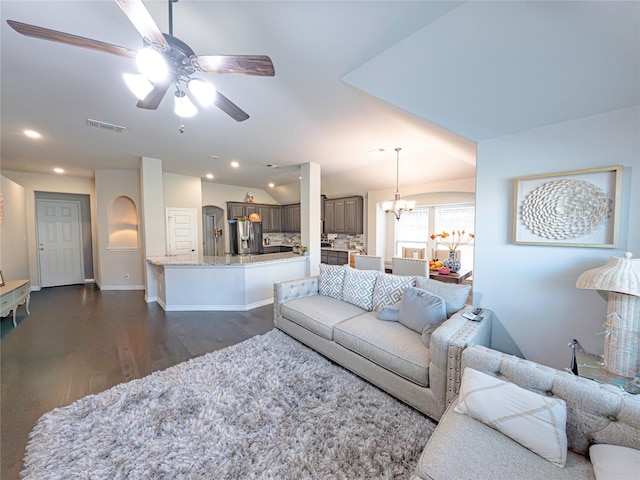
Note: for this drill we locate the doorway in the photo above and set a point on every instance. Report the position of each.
(182, 231)
(212, 234)
(60, 256)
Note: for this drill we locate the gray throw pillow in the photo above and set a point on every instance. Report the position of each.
(390, 313)
(389, 288)
(422, 311)
(455, 296)
(358, 287)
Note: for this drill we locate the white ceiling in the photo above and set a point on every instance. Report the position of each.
(351, 78)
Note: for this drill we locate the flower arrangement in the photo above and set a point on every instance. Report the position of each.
(302, 249)
(452, 240)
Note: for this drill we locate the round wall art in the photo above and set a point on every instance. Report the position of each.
(566, 208)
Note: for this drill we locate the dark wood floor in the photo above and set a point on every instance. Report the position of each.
(79, 340)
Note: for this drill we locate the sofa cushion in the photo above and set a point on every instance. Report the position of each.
(455, 296)
(533, 420)
(319, 313)
(613, 462)
(462, 447)
(422, 312)
(331, 280)
(389, 344)
(389, 288)
(358, 287)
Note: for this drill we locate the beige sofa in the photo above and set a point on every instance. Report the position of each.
(386, 353)
(465, 448)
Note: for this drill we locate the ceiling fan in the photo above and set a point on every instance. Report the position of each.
(169, 54)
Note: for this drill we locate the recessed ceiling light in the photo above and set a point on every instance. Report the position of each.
(32, 134)
(271, 185)
(235, 164)
(58, 170)
(209, 176)
(299, 178)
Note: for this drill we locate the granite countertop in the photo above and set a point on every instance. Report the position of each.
(226, 260)
(338, 249)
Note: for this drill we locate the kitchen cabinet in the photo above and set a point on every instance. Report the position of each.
(344, 215)
(291, 218)
(239, 209)
(334, 257)
(277, 249)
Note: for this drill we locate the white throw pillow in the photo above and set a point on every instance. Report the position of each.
(331, 280)
(613, 462)
(455, 295)
(389, 288)
(358, 287)
(533, 420)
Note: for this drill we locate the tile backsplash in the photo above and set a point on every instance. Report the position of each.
(341, 241)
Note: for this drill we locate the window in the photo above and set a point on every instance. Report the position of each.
(412, 230)
(457, 217)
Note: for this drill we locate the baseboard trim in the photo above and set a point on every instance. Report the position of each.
(122, 287)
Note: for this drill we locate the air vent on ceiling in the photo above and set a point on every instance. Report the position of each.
(105, 125)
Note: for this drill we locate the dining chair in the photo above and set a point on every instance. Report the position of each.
(410, 266)
(443, 255)
(412, 252)
(369, 262)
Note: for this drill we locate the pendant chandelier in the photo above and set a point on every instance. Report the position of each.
(397, 206)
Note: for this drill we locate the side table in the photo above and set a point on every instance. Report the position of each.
(591, 366)
(12, 294)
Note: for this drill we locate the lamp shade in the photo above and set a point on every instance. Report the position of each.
(620, 275)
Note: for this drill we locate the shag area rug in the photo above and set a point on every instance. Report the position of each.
(265, 408)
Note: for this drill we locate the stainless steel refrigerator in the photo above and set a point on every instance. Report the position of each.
(246, 237)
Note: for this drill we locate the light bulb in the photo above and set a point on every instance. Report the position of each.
(204, 92)
(183, 106)
(152, 65)
(138, 84)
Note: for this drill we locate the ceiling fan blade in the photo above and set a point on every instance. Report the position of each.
(142, 20)
(238, 64)
(152, 101)
(230, 108)
(61, 37)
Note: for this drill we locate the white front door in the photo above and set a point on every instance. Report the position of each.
(59, 243)
(182, 231)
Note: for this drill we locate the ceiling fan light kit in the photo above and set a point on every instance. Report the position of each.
(165, 60)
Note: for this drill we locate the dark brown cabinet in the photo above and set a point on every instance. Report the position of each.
(271, 214)
(344, 215)
(291, 218)
(333, 257)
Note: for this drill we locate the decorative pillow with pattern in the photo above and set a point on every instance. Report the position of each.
(455, 296)
(533, 420)
(389, 288)
(359, 286)
(331, 280)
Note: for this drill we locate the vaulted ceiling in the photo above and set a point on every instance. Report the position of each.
(353, 81)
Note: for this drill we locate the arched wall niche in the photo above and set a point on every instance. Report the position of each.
(123, 224)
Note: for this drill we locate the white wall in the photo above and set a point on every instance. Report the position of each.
(116, 263)
(14, 256)
(218, 195)
(532, 288)
(51, 183)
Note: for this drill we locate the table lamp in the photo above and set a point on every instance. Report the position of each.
(618, 281)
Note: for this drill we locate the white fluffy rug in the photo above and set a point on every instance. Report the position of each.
(266, 408)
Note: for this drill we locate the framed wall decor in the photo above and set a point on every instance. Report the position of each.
(1, 279)
(580, 208)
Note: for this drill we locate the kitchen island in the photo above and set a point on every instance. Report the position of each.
(230, 282)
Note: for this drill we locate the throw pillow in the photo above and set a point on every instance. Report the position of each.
(534, 421)
(390, 313)
(613, 462)
(389, 288)
(358, 287)
(331, 280)
(421, 311)
(454, 295)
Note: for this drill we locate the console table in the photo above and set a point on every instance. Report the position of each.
(13, 294)
(459, 277)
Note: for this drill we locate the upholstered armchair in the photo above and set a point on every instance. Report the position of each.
(369, 262)
(410, 266)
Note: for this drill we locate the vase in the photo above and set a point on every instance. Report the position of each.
(452, 263)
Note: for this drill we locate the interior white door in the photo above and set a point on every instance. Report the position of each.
(182, 231)
(59, 243)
